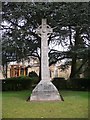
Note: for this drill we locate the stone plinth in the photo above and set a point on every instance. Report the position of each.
(45, 91)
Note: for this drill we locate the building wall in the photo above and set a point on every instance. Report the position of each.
(35, 69)
(54, 71)
(65, 73)
(33, 64)
(57, 72)
(8, 72)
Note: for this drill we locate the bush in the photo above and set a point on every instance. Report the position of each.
(80, 84)
(26, 82)
(20, 83)
(60, 83)
(72, 84)
(33, 74)
(35, 78)
(17, 83)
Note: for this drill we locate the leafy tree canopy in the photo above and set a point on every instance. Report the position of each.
(69, 20)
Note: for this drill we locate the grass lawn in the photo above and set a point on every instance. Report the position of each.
(0, 104)
(15, 106)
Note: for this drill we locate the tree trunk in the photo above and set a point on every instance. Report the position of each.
(40, 69)
(73, 66)
(88, 67)
(6, 69)
(74, 55)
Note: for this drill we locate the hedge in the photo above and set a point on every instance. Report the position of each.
(80, 84)
(72, 84)
(60, 83)
(22, 83)
(18, 83)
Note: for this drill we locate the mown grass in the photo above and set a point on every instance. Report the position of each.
(14, 105)
(0, 104)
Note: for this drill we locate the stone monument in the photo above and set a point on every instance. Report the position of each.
(45, 90)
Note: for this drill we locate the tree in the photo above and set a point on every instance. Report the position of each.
(72, 30)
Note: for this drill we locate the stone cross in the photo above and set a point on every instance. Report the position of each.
(44, 31)
(45, 90)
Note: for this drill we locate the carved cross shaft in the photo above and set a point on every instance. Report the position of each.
(44, 31)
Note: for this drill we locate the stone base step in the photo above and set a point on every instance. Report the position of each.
(45, 91)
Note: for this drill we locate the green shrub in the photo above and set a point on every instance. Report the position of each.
(72, 84)
(33, 74)
(80, 84)
(17, 83)
(20, 83)
(35, 78)
(19, 78)
(60, 83)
